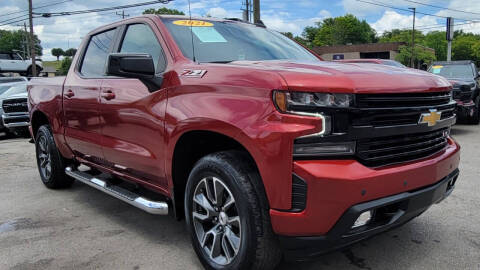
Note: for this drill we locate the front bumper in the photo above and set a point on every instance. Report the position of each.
(15, 120)
(465, 109)
(389, 212)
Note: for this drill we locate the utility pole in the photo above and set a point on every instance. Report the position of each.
(450, 33)
(256, 11)
(247, 10)
(27, 55)
(122, 14)
(412, 59)
(32, 38)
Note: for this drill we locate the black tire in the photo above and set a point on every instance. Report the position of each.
(30, 71)
(475, 119)
(258, 247)
(51, 164)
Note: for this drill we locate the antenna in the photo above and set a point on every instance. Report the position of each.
(191, 31)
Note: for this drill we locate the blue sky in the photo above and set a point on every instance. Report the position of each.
(285, 16)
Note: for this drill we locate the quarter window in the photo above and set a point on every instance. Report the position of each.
(139, 38)
(95, 58)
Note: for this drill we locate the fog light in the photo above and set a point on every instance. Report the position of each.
(363, 219)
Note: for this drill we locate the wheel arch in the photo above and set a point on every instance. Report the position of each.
(204, 142)
(37, 120)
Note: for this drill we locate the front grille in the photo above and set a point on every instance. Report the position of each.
(15, 105)
(380, 110)
(21, 119)
(403, 100)
(377, 152)
(463, 95)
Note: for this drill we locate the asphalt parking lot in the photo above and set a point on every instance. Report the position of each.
(82, 228)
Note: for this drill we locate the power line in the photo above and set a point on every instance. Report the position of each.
(67, 13)
(403, 9)
(48, 5)
(439, 7)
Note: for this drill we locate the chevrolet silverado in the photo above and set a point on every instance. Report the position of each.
(264, 149)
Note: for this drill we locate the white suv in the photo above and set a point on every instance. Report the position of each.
(13, 62)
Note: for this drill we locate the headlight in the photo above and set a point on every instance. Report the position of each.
(302, 102)
(473, 86)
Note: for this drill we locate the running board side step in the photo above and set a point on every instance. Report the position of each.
(152, 207)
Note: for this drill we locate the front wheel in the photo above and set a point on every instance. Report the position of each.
(51, 164)
(229, 228)
(475, 118)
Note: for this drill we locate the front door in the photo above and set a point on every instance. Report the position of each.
(133, 116)
(82, 98)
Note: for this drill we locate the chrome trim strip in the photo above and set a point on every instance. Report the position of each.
(152, 207)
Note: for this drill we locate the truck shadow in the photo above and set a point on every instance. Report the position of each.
(374, 253)
(463, 129)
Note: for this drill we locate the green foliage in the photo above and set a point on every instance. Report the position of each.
(65, 65)
(15, 40)
(342, 30)
(422, 56)
(164, 11)
(57, 52)
(437, 41)
(71, 52)
(288, 34)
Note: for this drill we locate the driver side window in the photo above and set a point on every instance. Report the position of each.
(139, 38)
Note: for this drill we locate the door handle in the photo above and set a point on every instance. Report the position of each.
(69, 93)
(108, 95)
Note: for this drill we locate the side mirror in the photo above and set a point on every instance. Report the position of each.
(130, 65)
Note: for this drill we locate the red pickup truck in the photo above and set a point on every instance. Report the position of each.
(264, 149)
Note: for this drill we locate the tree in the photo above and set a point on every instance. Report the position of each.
(71, 52)
(163, 10)
(57, 52)
(465, 46)
(422, 56)
(65, 65)
(15, 40)
(341, 30)
(437, 41)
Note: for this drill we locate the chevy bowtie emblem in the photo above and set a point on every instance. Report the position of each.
(431, 118)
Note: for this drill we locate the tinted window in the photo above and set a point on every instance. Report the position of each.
(4, 56)
(224, 41)
(96, 55)
(141, 39)
(16, 57)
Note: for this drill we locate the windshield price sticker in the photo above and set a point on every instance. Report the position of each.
(436, 69)
(193, 23)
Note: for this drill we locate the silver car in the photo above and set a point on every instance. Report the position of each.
(13, 108)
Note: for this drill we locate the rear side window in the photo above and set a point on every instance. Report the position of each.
(139, 38)
(95, 58)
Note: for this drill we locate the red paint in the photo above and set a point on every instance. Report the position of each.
(139, 130)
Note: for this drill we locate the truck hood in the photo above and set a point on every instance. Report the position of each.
(350, 77)
(20, 95)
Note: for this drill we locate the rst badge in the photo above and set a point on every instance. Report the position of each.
(430, 118)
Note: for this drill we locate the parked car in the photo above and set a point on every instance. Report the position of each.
(465, 78)
(14, 110)
(13, 62)
(262, 147)
(387, 62)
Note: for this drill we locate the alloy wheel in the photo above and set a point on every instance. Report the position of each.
(216, 220)
(44, 158)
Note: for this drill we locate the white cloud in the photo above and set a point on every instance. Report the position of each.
(393, 20)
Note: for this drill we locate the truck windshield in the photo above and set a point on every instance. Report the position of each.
(227, 41)
(453, 71)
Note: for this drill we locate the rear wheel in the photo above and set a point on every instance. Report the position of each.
(30, 71)
(229, 227)
(51, 164)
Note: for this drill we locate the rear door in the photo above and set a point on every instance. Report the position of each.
(132, 116)
(18, 63)
(82, 97)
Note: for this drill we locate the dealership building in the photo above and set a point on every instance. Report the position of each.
(360, 51)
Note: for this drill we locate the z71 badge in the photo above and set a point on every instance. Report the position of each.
(194, 73)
